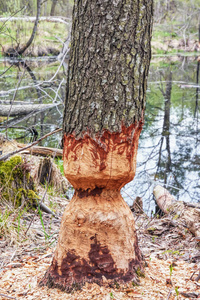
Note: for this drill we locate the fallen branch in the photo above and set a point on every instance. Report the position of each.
(32, 19)
(19, 110)
(9, 297)
(43, 151)
(29, 146)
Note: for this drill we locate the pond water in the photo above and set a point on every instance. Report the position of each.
(169, 147)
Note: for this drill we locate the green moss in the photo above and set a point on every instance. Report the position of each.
(15, 181)
(134, 283)
(140, 273)
(151, 229)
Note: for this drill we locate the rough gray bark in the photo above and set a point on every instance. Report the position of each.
(109, 63)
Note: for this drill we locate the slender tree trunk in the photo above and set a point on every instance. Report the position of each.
(52, 12)
(103, 118)
(23, 49)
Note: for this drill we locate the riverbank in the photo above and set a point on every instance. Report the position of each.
(52, 32)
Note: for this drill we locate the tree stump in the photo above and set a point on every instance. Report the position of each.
(97, 235)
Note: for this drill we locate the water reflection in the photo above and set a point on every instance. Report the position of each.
(169, 148)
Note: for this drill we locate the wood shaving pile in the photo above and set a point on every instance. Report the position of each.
(163, 242)
(20, 279)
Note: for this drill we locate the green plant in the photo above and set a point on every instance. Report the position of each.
(140, 273)
(171, 270)
(41, 220)
(177, 292)
(59, 163)
(111, 295)
(153, 239)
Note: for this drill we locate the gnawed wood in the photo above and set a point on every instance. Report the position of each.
(189, 214)
(97, 237)
(42, 169)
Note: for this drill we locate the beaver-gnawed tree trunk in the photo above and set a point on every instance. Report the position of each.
(104, 110)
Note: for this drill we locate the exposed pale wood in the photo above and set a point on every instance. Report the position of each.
(103, 118)
(97, 236)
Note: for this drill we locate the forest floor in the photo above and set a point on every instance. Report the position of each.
(171, 252)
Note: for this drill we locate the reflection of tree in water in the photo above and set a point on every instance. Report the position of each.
(169, 147)
(173, 171)
(163, 168)
(197, 90)
(173, 168)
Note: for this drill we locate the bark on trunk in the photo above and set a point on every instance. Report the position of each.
(103, 117)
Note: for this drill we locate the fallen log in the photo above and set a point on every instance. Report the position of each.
(32, 19)
(19, 110)
(42, 151)
(9, 154)
(189, 214)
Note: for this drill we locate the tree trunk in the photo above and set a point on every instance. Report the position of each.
(52, 12)
(23, 49)
(103, 118)
(19, 51)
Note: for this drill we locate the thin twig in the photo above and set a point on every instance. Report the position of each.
(29, 146)
(170, 292)
(12, 16)
(39, 84)
(9, 297)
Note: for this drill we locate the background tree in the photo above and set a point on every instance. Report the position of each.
(103, 117)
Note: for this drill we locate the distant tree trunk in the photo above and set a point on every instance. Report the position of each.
(19, 51)
(23, 49)
(103, 118)
(52, 12)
